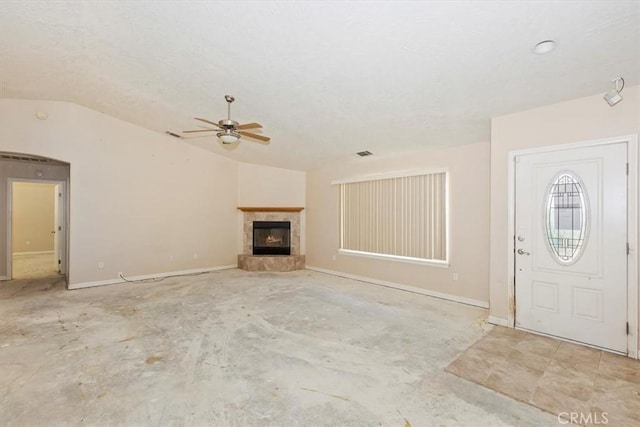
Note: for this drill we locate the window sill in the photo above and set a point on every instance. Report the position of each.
(409, 260)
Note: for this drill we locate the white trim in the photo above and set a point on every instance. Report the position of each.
(633, 343)
(498, 321)
(571, 146)
(427, 292)
(389, 175)
(511, 227)
(150, 276)
(447, 215)
(410, 260)
(3, 278)
(33, 253)
(64, 189)
(633, 197)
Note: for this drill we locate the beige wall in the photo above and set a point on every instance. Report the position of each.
(469, 215)
(578, 120)
(141, 202)
(265, 186)
(268, 186)
(33, 217)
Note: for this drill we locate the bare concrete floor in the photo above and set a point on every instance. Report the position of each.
(235, 348)
(33, 265)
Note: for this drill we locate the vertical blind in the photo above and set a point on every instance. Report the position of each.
(404, 216)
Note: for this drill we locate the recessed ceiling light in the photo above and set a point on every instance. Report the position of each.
(543, 47)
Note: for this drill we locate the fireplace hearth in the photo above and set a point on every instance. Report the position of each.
(271, 238)
(267, 229)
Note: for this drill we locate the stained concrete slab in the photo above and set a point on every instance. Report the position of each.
(237, 348)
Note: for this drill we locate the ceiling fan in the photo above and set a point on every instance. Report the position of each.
(230, 131)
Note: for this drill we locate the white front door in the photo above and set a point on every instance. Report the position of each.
(571, 244)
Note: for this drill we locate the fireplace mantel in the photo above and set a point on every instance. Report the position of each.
(269, 209)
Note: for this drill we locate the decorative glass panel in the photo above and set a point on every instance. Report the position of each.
(566, 218)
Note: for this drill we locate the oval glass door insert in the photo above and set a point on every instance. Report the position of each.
(566, 218)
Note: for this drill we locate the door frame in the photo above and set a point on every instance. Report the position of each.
(64, 220)
(632, 228)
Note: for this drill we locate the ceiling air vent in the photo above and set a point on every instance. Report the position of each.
(173, 134)
(364, 153)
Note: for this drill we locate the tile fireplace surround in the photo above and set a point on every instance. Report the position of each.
(250, 262)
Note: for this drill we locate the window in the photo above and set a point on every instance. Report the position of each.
(401, 216)
(566, 218)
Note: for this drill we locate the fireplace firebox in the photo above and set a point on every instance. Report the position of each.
(271, 238)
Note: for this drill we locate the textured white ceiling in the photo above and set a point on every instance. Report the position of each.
(326, 79)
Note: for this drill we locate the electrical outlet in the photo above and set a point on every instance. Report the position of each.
(334, 257)
(170, 257)
(454, 276)
(100, 264)
(195, 255)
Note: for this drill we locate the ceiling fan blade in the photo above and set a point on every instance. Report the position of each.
(255, 136)
(200, 130)
(249, 126)
(207, 121)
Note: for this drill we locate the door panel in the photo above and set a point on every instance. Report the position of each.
(571, 229)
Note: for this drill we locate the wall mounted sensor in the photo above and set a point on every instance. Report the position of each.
(613, 96)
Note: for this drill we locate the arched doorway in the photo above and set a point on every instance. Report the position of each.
(36, 216)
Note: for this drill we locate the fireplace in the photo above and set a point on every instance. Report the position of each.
(271, 238)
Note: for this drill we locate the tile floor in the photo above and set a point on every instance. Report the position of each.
(555, 376)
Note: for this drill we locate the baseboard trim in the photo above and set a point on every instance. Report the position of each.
(83, 285)
(3, 278)
(498, 321)
(435, 294)
(32, 253)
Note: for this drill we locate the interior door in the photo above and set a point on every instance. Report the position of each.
(571, 244)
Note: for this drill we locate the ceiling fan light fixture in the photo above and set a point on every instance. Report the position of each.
(228, 137)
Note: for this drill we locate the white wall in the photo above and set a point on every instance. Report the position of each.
(141, 202)
(578, 120)
(469, 222)
(265, 186)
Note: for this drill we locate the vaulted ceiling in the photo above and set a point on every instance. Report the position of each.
(326, 79)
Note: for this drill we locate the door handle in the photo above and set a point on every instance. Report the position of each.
(523, 252)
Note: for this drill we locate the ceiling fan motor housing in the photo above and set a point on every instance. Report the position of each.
(227, 124)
